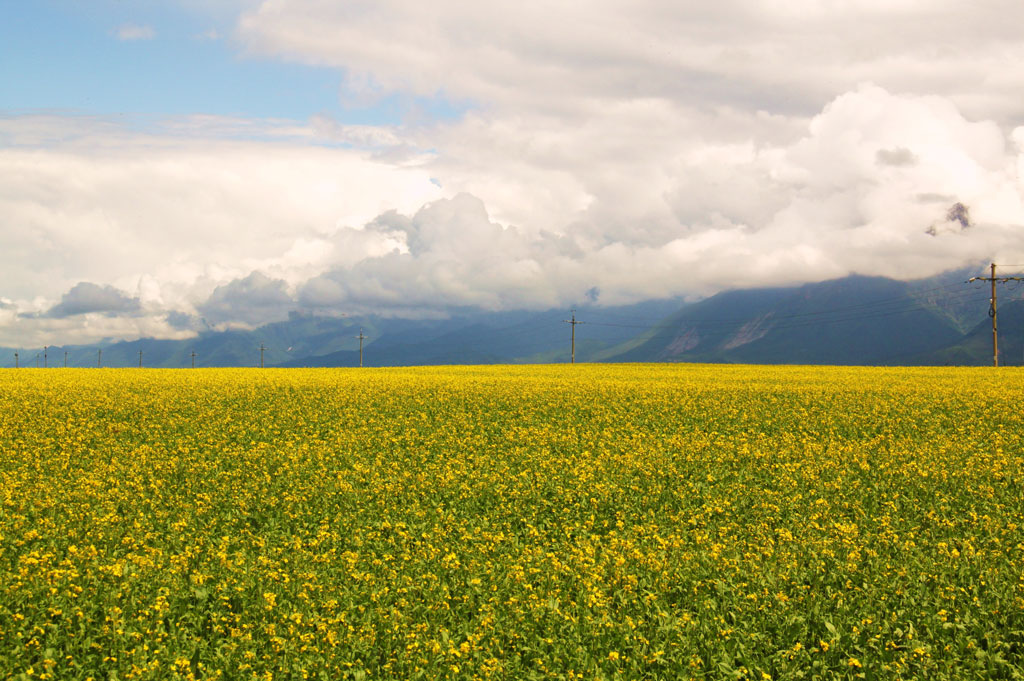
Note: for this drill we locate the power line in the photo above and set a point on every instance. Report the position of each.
(361, 338)
(992, 308)
(572, 336)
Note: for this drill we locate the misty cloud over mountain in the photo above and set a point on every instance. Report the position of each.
(250, 300)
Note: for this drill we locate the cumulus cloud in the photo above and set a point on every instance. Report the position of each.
(598, 108)
(450, 253)
(86, 297)
(859, 191)
(131, 32)
(114, 206)
(255, 299)
(173, 210)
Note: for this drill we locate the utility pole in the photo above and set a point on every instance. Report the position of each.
(572, 336)
(16, 365)
(44, 356)
(99, 358)
(65, 359)
(262, 348)
(992, 308)
(193, 359)
(361, 337)
(140, 359)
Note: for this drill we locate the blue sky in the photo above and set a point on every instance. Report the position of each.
(406, 157)
(67, 55)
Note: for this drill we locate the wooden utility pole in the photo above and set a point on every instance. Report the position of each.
(44, 355)
(572, 336)
(993, 279)
(262, 348)
(361, 337)
(65, 359)
(16, 365)
(193, 359)
(992, 313)
(140, 359)
(99, 358)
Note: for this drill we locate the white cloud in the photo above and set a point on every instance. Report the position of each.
(129, 32)
(167, 217)
(858, 191)
(598, 104)
(560, 57)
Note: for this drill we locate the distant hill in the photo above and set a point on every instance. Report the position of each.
(853, 320)
(300, 334)
(466, 337)
(975, 347)
(491, 338)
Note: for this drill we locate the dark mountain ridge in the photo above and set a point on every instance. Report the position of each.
(854, 320)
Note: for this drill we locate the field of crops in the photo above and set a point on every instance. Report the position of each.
(570, 522)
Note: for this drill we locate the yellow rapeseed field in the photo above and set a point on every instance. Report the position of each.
(557, 522)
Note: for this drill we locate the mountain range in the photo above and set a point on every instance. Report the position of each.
(855, 320)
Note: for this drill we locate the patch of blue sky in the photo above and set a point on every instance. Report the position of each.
(68, 56)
